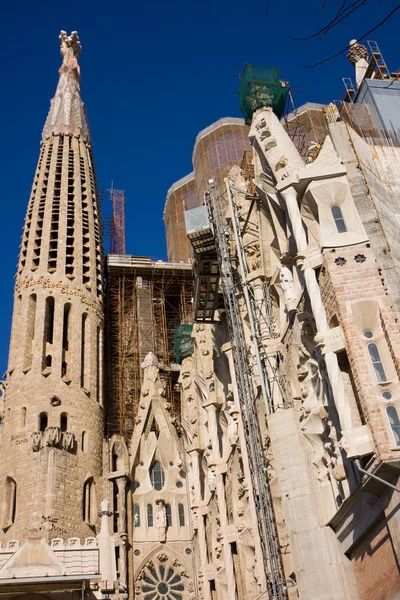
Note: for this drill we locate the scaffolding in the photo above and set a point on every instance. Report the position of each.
(260, 313)
(247, 167)
(146, 301)
(306, 126)
(181, 196)
(117, 222)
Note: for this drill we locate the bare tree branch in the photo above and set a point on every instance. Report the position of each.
(340, 16)
(321, 62)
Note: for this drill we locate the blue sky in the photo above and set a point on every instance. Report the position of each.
(153, 75)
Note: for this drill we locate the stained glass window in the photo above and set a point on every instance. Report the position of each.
(162, 585)
(157, 476)
(377, 362)
(150, 515)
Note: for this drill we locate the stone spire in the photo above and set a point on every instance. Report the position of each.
(54, 399)
(67, 112)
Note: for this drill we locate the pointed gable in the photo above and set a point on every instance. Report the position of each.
(34, 558)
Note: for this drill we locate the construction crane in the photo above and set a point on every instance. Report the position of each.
(117, 222)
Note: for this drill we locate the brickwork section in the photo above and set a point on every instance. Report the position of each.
(349, 275)
(375, 565)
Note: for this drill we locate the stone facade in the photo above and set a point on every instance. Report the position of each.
(251, 455)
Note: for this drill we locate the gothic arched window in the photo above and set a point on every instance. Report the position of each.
(377, 363)
(338, 216)
(394, 422)
(168, 515)
(84, 441)
(64, 422)
(89, 512)
(150, 515)
(181, 515)
(157, 477)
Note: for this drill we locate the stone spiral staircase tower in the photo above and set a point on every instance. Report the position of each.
(51, 436)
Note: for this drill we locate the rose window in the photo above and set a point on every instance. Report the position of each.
(162, 585)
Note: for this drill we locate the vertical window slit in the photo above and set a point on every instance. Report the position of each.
(83, 350)
(43, 421)
(149, 515)
(48, 333)
(98, 365)
(394, 422)
(181, 514)
(65, 340)
(30, 332)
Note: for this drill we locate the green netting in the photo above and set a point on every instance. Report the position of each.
(183, 342)
(261, 86)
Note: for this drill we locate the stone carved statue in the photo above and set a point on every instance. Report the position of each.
(68, 441)
(204, 368)
(53, 436)
(151, 383)
(315, 421)
(36, 439)
(188, 399)
(201, 386)
(150, 360)
(161, 520)
(286, 278)
(212, 477)
(234, 412)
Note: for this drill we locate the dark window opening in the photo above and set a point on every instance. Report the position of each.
(43, 421)
(338, 216)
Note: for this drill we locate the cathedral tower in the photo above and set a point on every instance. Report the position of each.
(51, 437)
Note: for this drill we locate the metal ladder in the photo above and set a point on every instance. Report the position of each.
(276, 584)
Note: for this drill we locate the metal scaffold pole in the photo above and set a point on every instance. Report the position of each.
(248, 396)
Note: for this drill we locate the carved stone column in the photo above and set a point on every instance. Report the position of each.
(201, 532)
(274, 145)
(213, 428)
(314, 293)
(122, 530)
(106, 549)
(227, 349)
(228, 558)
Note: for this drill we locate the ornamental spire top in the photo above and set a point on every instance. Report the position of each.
(67, 113)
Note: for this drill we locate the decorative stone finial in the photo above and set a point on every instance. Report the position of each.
(70, 42)
(150, 360)
(357, 52)
(67, 113)
(104, 505)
